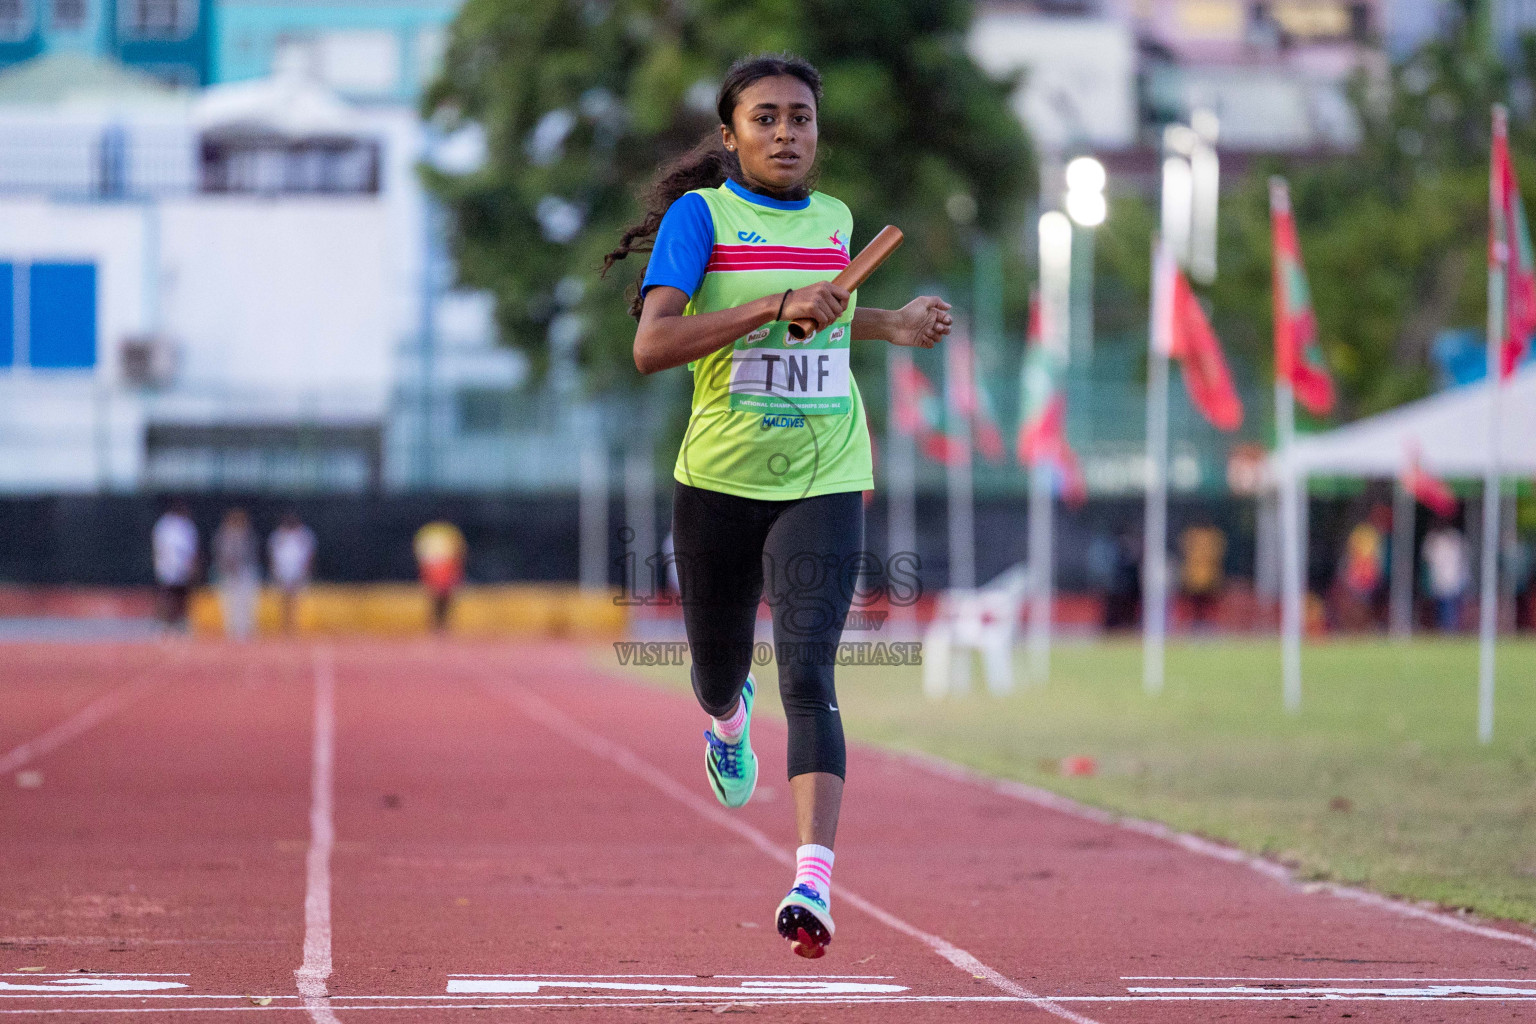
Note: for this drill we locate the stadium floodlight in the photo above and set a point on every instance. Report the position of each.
(1085, 174)
(1055, 280)
(1085, 192)
(1178, 204)
(1205, 195)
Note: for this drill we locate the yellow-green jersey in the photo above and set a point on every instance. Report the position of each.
(772, 417)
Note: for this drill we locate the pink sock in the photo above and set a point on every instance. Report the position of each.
(813, 867)
(730, 729)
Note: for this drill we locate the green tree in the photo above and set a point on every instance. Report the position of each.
(1394, 235)
(581, 100)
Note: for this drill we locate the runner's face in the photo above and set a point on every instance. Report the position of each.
(773, 131)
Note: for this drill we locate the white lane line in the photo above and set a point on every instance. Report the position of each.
(1204, 847)
(316, 969)
(630, 1003)
(695, 977)
(748, 989)
(1405, 993)
(561, 724)
(88, 717)
(114, 940)
(1286, 981)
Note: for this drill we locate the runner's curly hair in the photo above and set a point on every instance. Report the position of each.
(709, 163)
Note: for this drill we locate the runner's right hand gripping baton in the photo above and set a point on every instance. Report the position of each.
(855, 274)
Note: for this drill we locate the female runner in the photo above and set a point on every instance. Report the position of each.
(770, 474)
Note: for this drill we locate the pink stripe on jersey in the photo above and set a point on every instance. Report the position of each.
(727, 258)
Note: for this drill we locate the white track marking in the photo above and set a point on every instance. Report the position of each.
(1405, 993)
(747, 989)
(88, 983)
(93, 714)
(1286, 981)
(626, 1002)
(1206, 848)
(698, 977)
(558, 722)
(316, 969)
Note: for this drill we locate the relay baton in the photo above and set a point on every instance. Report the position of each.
(855, 273)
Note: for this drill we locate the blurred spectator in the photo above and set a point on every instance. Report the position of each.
(1362, 574)
(1100, 557)
(1445, 561)
(174, 543)
(1122, 600)
(1520, 567)
(238, 573)
(291, 558)
(1203, 551)
(440, 551)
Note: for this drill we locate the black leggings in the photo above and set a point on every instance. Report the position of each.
(807, 550)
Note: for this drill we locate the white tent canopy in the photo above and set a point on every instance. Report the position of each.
(1450, 430)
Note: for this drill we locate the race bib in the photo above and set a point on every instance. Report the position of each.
(773, 373)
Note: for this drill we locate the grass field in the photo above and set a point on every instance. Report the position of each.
(1378, 781)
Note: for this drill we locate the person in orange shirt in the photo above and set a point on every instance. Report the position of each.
(440, 551)
(1202, 571)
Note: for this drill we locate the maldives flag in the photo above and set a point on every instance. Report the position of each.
(970, 400)
(1183, 333)
(1298, 357)
(1042, 440)
(920, 414)
(1429, 491)
(1509, 251)
(917, 405)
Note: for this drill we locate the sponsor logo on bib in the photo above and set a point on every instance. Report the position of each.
(769, 422)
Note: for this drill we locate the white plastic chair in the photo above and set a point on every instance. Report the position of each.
(966, 622)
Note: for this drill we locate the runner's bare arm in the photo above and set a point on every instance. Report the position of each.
(921, 323)
(666, 338)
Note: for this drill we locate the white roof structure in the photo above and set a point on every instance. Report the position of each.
(1450, 430)
(288, 105)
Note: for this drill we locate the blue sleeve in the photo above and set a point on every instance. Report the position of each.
(683, 246)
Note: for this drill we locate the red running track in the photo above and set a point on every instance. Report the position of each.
(424, 832)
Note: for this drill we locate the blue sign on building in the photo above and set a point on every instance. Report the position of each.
(58, 331)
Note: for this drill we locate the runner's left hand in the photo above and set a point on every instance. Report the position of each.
(923, 322)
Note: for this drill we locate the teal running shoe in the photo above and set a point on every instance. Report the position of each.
(805, 920)
(732, 767)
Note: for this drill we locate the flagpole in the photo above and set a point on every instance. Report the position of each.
(1287, 354)
(901, 494)
(1497, 277)
(1055, 339)
(1403, 513)
(1154, 576)
(1290, 546)
(962, 527)
(1488, 613)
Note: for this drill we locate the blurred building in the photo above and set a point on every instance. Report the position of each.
(1105, 75)
(363, 51)
(376, 52)
(228, 289)
(169, 39)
